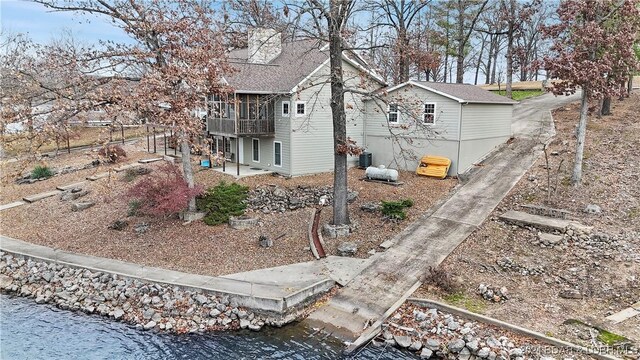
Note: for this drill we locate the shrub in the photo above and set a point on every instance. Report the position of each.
(134, 207)
(222, 201)
(441, 279)
(113, 153)
(41, 172)
(166, 193)
(395, 209)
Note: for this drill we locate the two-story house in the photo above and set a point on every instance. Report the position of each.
(278, 117)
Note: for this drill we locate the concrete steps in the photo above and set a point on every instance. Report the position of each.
(71, 186)
(97, 176)
(543, 223)
(40, 196)
(11, 205)
(146, 161)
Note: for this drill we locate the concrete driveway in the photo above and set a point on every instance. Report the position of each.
(430, 239)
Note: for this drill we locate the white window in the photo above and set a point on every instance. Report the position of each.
(277, 153)
(285, 108)
(255, 150)
(301, 108)
(392, 114)
(429, 116)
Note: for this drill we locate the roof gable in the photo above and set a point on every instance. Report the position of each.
(297, 61)
(462, 93)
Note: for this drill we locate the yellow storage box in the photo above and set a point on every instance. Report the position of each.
(434, 166)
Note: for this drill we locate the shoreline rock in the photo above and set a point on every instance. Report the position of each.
(148, 306)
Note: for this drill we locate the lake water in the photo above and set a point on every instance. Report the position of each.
(31, 331)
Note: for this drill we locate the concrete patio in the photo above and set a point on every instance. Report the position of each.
(241, 171)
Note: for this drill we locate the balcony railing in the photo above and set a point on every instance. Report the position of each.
(245, 126)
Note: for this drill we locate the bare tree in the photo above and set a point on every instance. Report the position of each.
(593, 38)
(399, 16)
(175, 58)
(466, 14)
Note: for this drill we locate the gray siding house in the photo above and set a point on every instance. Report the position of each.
(459, 121)
(278, 116)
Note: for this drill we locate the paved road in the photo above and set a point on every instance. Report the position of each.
(429, 240)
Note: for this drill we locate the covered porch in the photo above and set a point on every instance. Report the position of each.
(241, 114)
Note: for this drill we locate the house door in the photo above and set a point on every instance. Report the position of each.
(241, 152)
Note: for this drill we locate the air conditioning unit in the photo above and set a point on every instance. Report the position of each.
(365, 160)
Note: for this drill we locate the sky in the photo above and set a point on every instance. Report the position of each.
(42, 24)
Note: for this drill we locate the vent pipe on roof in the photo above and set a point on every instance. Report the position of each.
(264, 45)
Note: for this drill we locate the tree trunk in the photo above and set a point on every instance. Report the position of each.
(460, 44)
(187, 168)
(629, 85)
(484, 42)
(512, 19)
(403, 58)
(576, 177)
(487, 77)
(606, 106)
(340, 208)
(509, 80)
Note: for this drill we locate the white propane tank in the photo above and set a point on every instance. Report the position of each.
(381, 173)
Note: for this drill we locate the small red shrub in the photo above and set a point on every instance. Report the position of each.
(113, 153)
(163, 193)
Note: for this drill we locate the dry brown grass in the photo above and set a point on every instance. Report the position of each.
(203, 249)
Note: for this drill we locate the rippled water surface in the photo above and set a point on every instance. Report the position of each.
(30, 331)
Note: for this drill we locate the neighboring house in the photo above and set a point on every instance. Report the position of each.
(279, 118)
(459, 121)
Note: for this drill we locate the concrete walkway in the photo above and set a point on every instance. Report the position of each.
(429, 240)
(278, 290)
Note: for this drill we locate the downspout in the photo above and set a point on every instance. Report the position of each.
(462, 104)
(290, 135)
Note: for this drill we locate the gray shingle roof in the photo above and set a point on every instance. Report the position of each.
(466, 92)
(296, 61)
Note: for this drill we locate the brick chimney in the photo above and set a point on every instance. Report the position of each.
(264, 45)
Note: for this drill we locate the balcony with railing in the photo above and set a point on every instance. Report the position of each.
(242, 115)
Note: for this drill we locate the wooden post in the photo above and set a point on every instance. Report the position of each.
(237, 156)
(148, 147)
(154, 140)
(175, 145)
(210, 142)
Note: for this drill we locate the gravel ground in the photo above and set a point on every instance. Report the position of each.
(605, 274)
(10, 191)
(203, 249)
